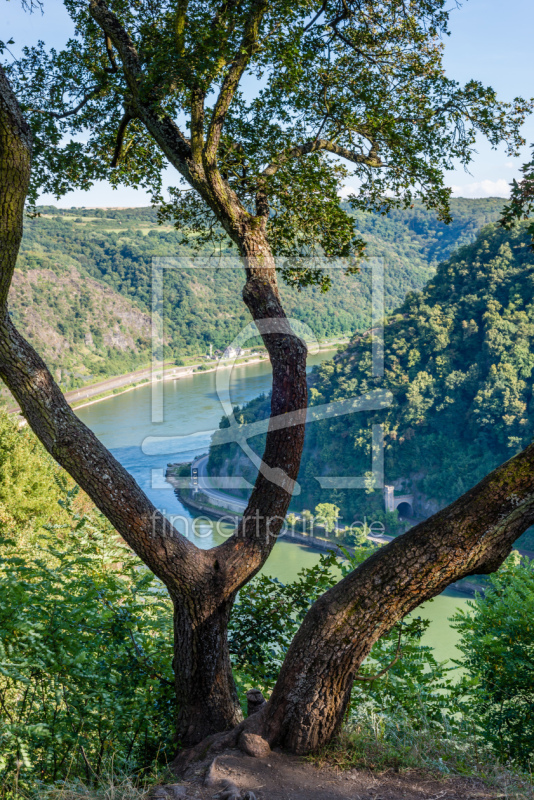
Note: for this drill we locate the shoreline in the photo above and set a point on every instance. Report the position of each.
(97, 399)
(188, 374)
(164, 379)
(298, 538)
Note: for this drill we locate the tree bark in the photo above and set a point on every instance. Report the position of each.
(205, 690)
(471, 536)
(15, 161)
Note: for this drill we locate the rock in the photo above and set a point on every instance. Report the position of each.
(253, 745)
(176, 790)
(231, 792)
(172, 791)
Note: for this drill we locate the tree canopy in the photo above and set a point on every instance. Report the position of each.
(266, 95)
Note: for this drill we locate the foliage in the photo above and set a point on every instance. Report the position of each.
(98, 324)
(497, 643)
(391, 742)
(267, 615)
(414, 684)
(113, 786)
(356, 535)
(521, 204)
(357, 91)
(327, 514)
(85, 654)
(29, 495)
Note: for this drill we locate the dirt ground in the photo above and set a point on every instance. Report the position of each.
(282, 777)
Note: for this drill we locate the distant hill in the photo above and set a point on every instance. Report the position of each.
(82, 289)
(459, 361)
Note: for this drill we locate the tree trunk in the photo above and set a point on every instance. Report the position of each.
(471, 536)
(15, 160)
(205, 690)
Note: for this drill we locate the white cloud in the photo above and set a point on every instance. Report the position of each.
(500, 188)
(346, 190)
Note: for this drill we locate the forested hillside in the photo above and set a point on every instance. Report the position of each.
(82, 291)
(459, 362)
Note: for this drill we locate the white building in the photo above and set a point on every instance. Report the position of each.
(233, 352)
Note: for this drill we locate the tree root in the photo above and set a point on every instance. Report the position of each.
(247, 736)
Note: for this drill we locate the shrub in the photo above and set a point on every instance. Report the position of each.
(497, 642)
(85, 657)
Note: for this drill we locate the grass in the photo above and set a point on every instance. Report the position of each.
(381, 743)
(111, 787)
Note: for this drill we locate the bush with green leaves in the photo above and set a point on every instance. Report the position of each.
(402, 678)
(266, 617)
(356, 535)
(85, 657)
(497, 643)
(28, 491)
(327, 515)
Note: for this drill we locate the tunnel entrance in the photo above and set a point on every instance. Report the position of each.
(405, 510)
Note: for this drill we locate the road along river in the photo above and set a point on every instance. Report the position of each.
(192, 410)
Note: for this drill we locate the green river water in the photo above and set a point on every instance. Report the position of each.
(192, 409)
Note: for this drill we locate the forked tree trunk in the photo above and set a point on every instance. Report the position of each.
(205, 690)
(472, 535)
(202, 584)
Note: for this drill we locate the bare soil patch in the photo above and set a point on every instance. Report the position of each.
(285, 777)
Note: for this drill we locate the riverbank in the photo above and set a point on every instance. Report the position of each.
(121, 384)
(233, 517)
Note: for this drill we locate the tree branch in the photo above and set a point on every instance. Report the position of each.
(165, 131)
(122, 41)
(77, 449)
(15, 163)
(316, 17)
(473, 535)
(197, 124)
(168, 554)
(125, 121)
(142, 657)
(111, 56)
(398, 654)
(345, 14)
(247, 47)
(371, 159)
(65, 114)
(179, 25)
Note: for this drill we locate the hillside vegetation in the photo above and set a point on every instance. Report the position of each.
(459, 363)
(83, 291)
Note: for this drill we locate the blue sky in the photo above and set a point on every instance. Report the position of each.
(490, 41)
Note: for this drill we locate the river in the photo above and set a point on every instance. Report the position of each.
(192, 409)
